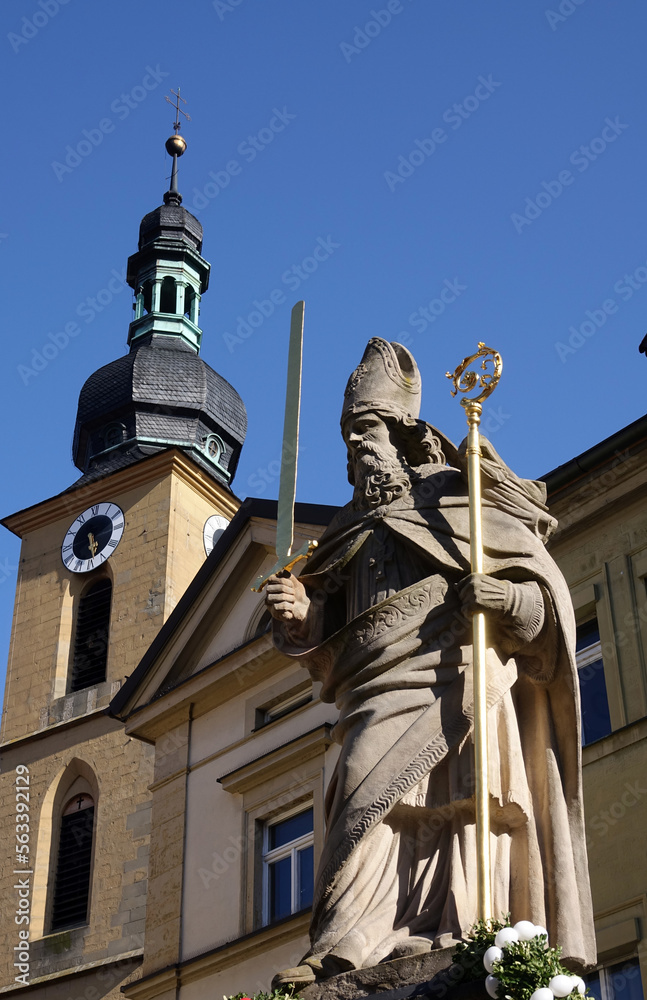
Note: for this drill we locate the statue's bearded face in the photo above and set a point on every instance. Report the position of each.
(376, 467)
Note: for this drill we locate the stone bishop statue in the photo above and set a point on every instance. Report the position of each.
(382, 616)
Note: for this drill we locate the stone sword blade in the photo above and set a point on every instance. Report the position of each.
(289, 453)
(285, 557)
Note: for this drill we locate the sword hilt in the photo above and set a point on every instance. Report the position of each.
(285, 565)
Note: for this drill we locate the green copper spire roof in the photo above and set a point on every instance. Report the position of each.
(168, 273)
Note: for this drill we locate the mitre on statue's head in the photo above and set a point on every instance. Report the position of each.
(386, 380)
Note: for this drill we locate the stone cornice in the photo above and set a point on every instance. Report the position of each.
(63, 974)
(617, 740)
(154, 985)
(585, 509)
(282, 758)
(19, 742)
(171, 462)
(209, 963)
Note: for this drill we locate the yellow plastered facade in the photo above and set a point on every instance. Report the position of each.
(66, 740)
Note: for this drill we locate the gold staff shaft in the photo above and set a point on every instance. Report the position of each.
(484, 892)
(465, 381)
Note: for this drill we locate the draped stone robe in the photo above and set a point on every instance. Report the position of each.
(386, 636)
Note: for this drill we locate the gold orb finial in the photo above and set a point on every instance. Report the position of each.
(175, 145)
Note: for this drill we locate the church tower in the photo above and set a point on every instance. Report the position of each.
(157, 440)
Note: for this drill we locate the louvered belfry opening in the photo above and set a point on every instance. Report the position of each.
(91, 638)
(74, 862)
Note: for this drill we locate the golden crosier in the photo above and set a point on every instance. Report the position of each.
(465, 381)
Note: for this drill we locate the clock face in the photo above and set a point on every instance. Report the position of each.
(92, 537)
(213, 529)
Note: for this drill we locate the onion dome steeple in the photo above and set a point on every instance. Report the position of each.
(162, 394)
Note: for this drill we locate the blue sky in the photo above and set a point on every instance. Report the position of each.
(492, 152)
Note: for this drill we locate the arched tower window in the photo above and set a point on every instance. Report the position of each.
(147, 289)
(168, 296)
(189, 295)
(73, 863)
(91, 636)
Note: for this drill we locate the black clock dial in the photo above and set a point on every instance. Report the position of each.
(92, 537)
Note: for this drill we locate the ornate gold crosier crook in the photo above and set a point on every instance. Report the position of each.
(465, 381)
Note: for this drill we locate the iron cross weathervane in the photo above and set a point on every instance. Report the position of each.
(178, 110)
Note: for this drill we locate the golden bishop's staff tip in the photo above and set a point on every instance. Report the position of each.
(465, 381)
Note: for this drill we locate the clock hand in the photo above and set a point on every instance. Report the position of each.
(93, 545)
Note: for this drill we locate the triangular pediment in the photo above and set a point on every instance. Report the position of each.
(218, 628)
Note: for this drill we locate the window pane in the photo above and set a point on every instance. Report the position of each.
(623, 981)
(596, 721)
(587, 634)
(280, 873)
(305, 867)
(287, 706)
(290, 829)
(593, 985)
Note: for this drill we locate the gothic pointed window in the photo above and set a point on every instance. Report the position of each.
(73, 863)
(91, 636)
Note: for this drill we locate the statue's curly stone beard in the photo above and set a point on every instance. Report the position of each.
(378, 480)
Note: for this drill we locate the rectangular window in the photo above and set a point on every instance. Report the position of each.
(617, 982)
(284, 707)
(288, 866)
(596, 721)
